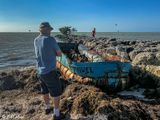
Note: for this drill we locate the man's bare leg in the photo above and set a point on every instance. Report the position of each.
(56, 106)
(47, 101)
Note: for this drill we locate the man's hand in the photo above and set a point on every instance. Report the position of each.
(58, 53)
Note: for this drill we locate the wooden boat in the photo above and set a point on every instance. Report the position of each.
(114, 75)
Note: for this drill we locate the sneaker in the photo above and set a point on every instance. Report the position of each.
(61, 117)
(48, 111)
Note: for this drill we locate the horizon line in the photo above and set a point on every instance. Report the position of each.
(84, 32)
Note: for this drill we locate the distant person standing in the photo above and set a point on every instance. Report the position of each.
(46, 50)
(94, 32)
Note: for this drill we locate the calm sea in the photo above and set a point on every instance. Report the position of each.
(16, 49)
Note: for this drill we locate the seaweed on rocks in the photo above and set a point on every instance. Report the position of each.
(78, 101)
(17, 79)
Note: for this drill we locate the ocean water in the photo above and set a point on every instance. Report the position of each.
(17, 49)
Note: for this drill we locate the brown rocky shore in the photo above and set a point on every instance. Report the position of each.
(20, 97)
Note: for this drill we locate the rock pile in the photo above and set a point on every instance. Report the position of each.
(129, 49)
(143, 55)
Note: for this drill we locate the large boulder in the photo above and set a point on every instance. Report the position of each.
(132, 42)
(123, 52)
(133, 54)
(111, 51)
(154, 70)
(158, 58)
(146, 76)
(150, 49)
(145, 58)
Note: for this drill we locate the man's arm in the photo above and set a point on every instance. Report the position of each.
(56, 48)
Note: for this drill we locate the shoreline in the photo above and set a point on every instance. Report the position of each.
(9, 69)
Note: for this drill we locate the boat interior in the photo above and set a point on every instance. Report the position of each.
(72, 52)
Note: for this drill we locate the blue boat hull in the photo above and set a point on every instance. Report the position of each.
(100, 69)
(110, 73)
